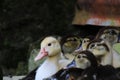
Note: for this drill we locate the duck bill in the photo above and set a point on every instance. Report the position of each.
(41, 54)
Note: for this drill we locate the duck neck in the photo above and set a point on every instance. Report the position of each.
(54, 58)
(107, 59)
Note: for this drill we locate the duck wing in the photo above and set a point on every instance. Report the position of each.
(30, 75)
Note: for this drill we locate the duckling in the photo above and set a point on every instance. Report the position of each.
(50, 48)
(81, 61)
(31, 74)
(85, 42)
(112, 35)
(69, 44)
(102, 50)
(89, 59)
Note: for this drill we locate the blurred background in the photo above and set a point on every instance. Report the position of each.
(24, 22)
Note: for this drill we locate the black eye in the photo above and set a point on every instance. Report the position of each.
(84, 41)
(74, 39)
(113, 32)
(79, 56)
(92, 45)
(88, 41)
(49, 44)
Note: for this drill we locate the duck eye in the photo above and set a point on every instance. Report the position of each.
(84, 41)
(92, 45)
(79, 56)
(74, 39)
(49, 44)
(113, 32)
(88, 41)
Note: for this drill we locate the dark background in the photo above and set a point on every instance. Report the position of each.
(23, 22)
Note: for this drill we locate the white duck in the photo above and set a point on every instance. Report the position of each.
(51, 48)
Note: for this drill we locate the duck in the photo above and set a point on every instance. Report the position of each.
(85, 42)
(111, 35)
(51, 49)
(86, 60)
(81, 61)
(102, 50)
(69, 43)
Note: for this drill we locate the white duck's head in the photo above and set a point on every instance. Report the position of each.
(49, 47)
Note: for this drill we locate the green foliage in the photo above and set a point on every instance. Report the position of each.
(116, 47)
(22, 69)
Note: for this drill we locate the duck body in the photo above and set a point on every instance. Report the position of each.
(56, 76)
(51, 49)
(47, 69)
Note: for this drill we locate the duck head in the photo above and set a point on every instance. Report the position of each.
(86, 41)
(110, 34)
(85, 59)
(98, 47)
(70, 43)
(49, 47)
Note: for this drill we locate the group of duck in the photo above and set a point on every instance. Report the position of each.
(79, 58)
